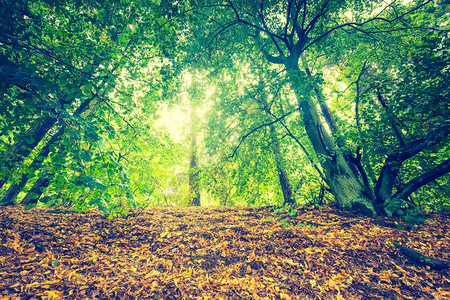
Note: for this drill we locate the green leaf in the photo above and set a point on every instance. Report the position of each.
(96, 202)
(30, 206)
(91, 183)
(55, 263)
(103, 209)
(34, 196)
(45, 199)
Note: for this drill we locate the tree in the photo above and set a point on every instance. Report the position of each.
(194, 182)
(15, 188)
(286, 34)
(59, 60)
(240, 103)
(356, 89)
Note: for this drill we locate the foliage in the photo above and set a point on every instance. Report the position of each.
(103, 69)
(341, 101)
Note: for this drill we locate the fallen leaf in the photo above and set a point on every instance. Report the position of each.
(54, 294)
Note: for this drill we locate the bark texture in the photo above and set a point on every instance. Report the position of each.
(349, 192)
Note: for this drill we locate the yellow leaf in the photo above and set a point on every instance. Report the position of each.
(152, 273)
(31, 285)
(47, 284)
(75, 277)
(309, 251)
(252, 282)
(85, 146)
(54, 294)
(285, 296)
(51, 282)
(312, 282)
(267, 278)
(188, 273)
(290, 262)
(332, 283)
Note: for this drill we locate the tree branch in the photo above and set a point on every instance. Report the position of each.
(289, 133)
(358, 95)
(394, 161)
(355, 25)
(390, 115)
(245, 136)
(416, 183)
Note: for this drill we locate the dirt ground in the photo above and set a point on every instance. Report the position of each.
(218, 253)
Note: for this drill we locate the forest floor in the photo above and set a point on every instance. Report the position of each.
(217, 252)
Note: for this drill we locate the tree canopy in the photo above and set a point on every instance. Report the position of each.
(272, 103)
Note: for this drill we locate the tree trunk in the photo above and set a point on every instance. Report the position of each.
(194, 191)
(194, 188)
(11, 194)
(339, 138)
(30, 139)
(25, 144)
(326, 112)
(283, 178)
(350, 194)
(391, 167)
(281, 170)
(38, 188)
(438, 171)
(422, 258)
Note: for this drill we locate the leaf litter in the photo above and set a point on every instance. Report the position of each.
(217, 253)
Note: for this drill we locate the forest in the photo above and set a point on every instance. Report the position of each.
(233, 149)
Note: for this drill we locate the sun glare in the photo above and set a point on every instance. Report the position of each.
(174, 120)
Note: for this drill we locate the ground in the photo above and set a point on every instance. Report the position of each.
(214, 253)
